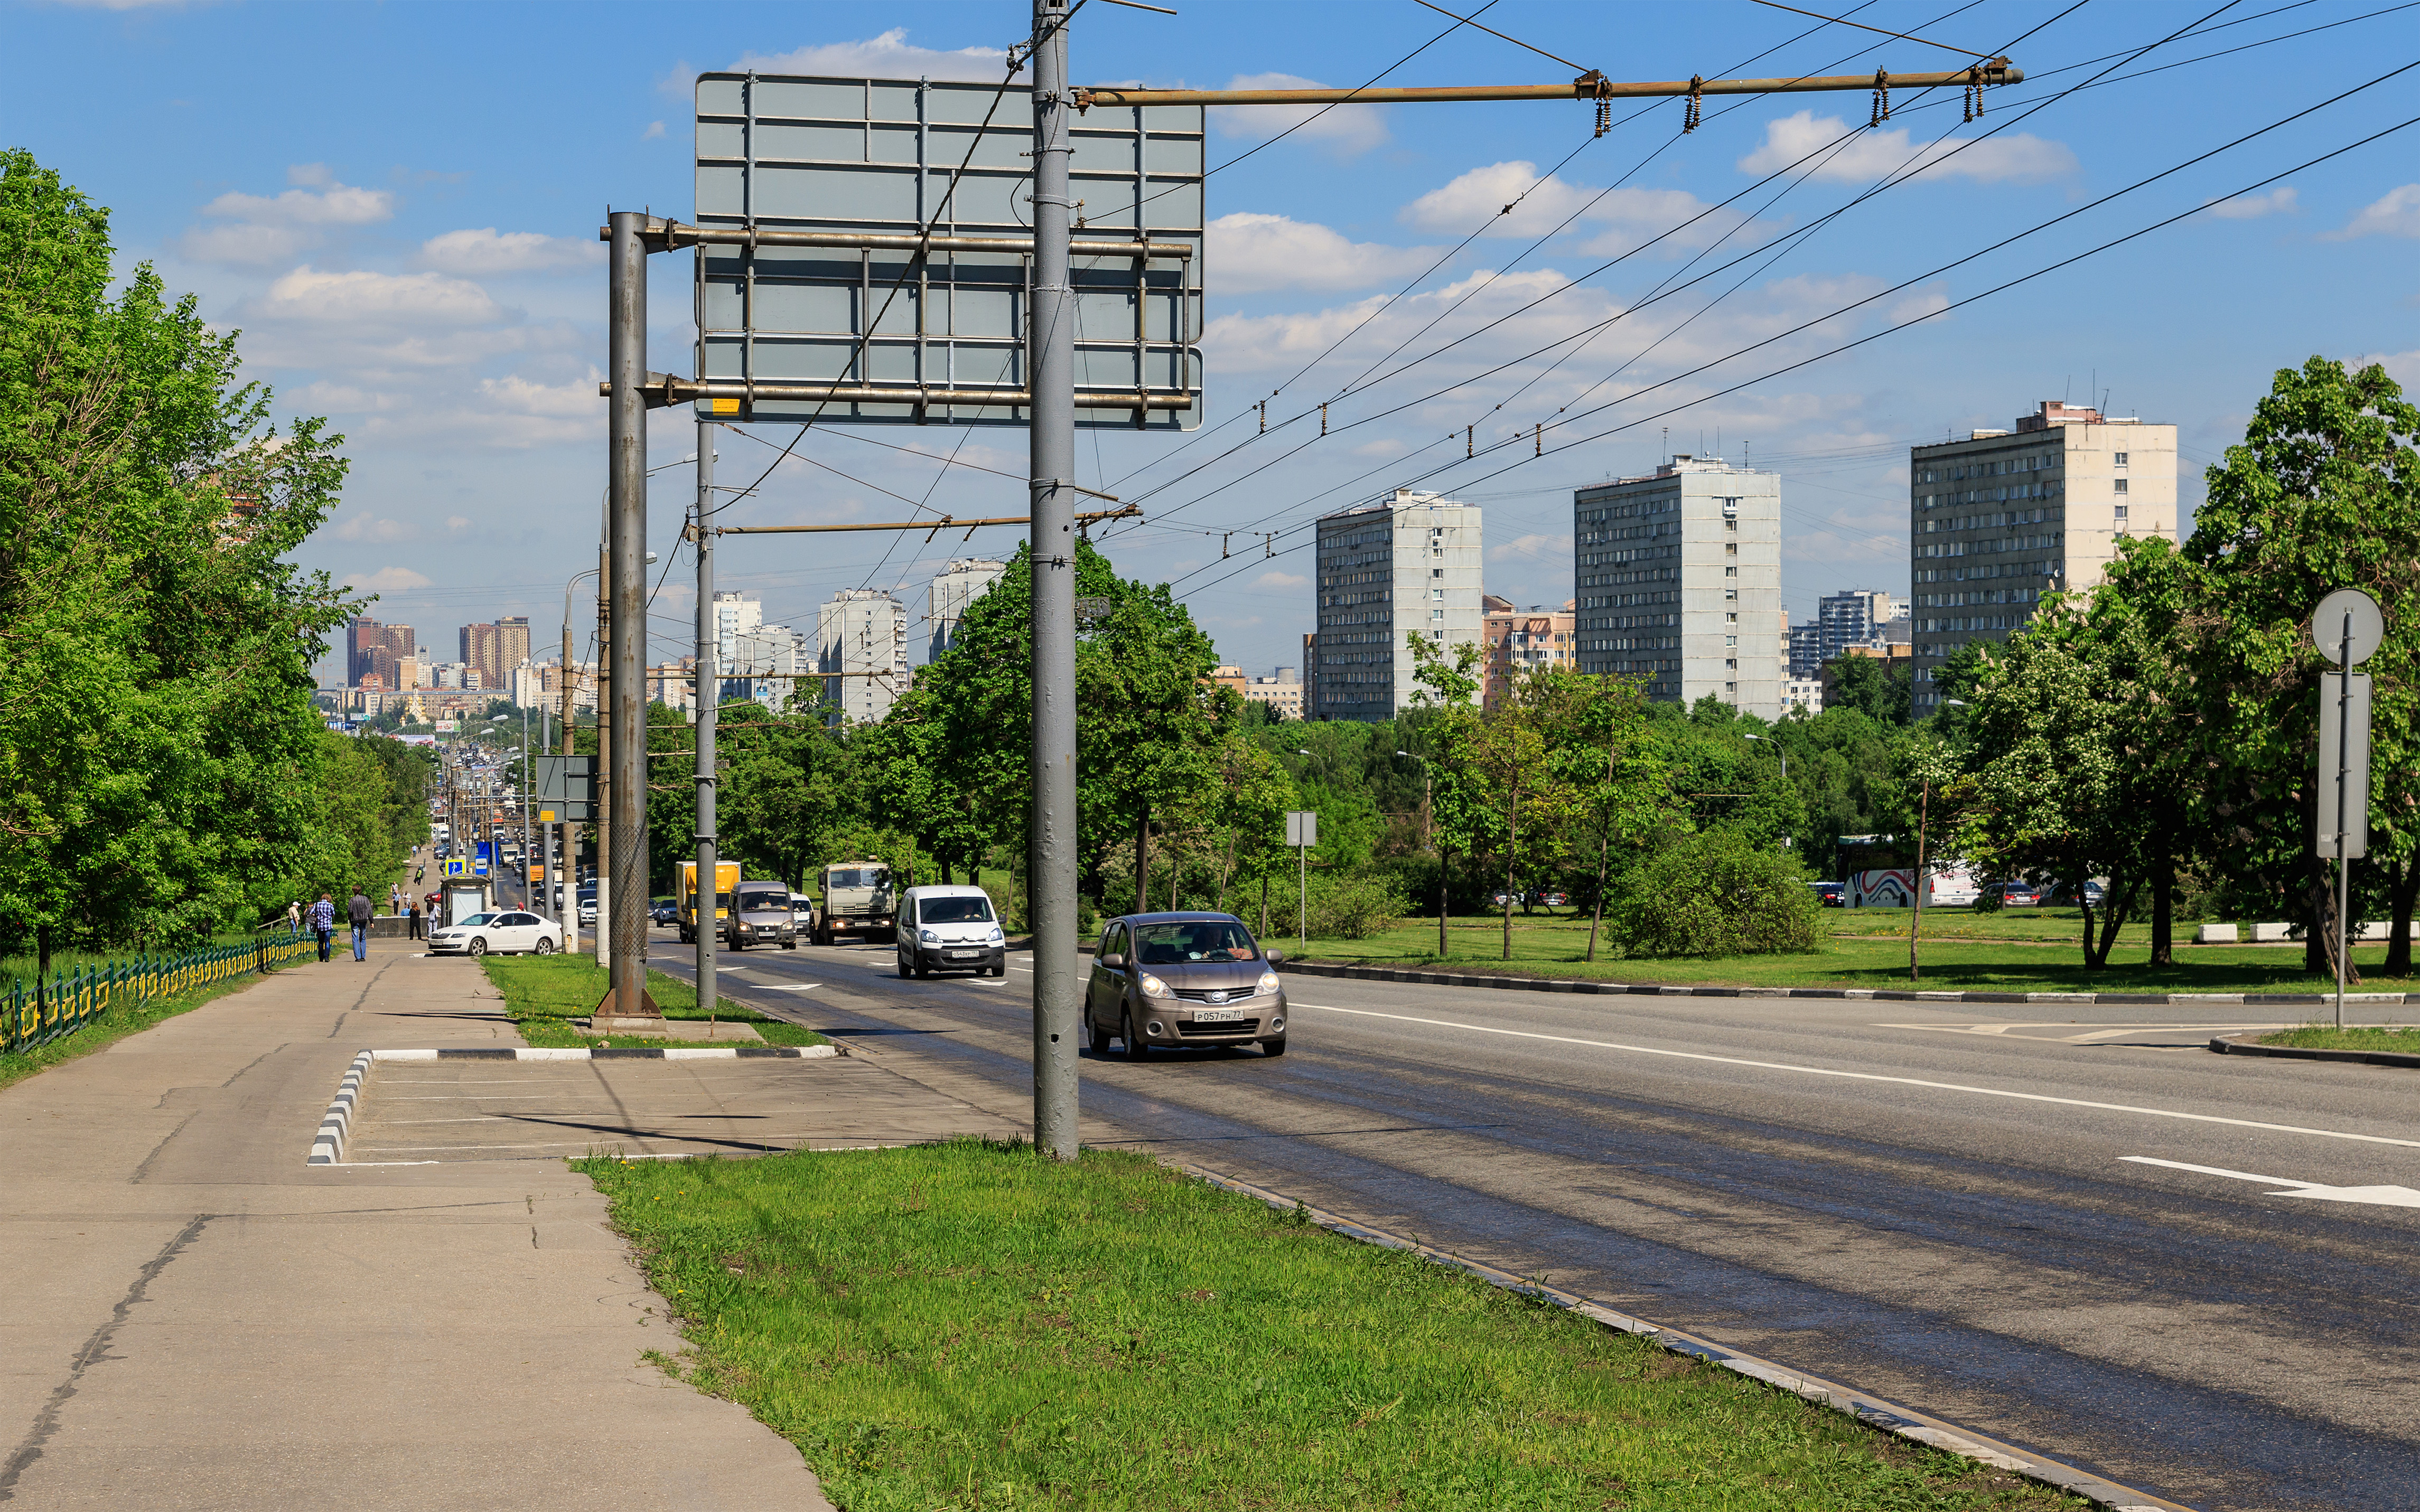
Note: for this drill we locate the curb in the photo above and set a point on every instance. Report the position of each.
(1649, 989)
(738, 1051)
(2234, 1044)
(1872, 1412)
(328, 1144)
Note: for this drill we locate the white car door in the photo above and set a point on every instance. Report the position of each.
(519, 933)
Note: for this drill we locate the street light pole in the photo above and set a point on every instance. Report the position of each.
(626, 442)
(707, 893)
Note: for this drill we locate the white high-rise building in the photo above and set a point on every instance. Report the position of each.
(954, 588)
(861, 641)
(1407, 564)
(733, 614)
(1678, 582)
(2004, 516)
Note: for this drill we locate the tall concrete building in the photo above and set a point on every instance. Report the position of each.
(372, 647)
(495, 649)
(1407, 564)
(1678, 582)
(2004, 518)
(1855, 618)
(862, 647)
(954, 587)
(733, 614)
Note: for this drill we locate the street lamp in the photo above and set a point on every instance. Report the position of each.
(1428, 838)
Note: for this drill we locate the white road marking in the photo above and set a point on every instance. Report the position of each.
(2389, 1196)
(1870, 1077)
(2095, 1031)
(767, 987)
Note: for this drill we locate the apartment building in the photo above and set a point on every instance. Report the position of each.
(2004, 518)
(1407, 564)
(954, 587)
(1677, 580)
(1520, 641)
(861, 641)
(372, 647)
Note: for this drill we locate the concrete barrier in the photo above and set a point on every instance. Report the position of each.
(2271, 932)
(2215, 934)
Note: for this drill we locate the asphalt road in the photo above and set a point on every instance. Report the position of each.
(1953, 1211)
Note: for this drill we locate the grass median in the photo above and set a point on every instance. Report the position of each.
(2401, 1040)
(1960, 951)
(545, 993)
(966, 1325)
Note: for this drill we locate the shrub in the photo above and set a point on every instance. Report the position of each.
(1713, 895)
(1353, 907)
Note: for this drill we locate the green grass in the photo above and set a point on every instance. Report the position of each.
(966, 1325)
(2403, 1039)
(543, 993)
(122, 1019)
(1961, 950)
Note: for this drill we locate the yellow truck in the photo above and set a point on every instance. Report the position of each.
(726, 881)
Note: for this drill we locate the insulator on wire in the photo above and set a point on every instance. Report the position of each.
(1264, 408)
(1882, 99)
(1469, 435)
(1603, 116)
(1537, 441)
(1322, 420)
(1691, 113)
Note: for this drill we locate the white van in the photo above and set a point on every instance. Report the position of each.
(949, 929)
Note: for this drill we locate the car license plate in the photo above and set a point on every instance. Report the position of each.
(966, 955)
(1217, 1015)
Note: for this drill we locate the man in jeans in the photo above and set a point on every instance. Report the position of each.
(358, 910)
(323, 922)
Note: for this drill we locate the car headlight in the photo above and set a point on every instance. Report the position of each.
(1268, 983)
(1151, 987)
(928, 936)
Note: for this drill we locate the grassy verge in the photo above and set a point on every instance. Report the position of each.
(2404, 1039)
(965, 1325)
(544, 992)
(120, 1021)
(1542, 947)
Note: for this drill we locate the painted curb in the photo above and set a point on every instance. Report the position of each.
(1885, 995)
(1874, 1411)
(738, 1051)
(328, 1144)
(2236, 1045)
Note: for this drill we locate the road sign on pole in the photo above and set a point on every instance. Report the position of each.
(2347, 627)
(1302, 833)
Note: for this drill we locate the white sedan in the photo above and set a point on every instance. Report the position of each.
(504, 932)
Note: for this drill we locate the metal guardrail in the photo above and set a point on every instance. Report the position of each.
(34, 1016)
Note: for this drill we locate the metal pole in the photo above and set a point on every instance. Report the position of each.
(1050, 365)
(601, 804)
(627, 440)
(1301, 896)
(703, 896)
(2344, 778)
(529, 895)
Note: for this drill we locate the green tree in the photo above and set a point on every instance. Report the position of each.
(1600, 745)
(1875, 688)
(1716, 894)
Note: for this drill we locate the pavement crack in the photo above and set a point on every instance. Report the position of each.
(257, 1061)
(93, 1352)
(143, 1171)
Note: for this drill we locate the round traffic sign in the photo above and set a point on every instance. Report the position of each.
(2347, 611)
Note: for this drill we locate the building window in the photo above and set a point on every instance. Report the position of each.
(2120, 512)
(2118, 459)
(2120, 486)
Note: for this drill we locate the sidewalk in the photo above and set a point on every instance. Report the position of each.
(198, 1319)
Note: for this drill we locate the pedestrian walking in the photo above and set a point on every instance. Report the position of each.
(395, 898)
(415, 918)
(358, 910)
(323, 923)
(293, 922)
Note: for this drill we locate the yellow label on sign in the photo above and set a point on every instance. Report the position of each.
(720, 406)
(546, 816)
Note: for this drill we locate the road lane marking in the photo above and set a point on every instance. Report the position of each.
(2389, 1196)
(1870, 1077)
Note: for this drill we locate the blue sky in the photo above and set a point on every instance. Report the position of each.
(397, 205)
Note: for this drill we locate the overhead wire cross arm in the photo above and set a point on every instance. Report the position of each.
(1592, 86)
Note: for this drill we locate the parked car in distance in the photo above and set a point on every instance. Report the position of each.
(588, 903)
(2064, 894)
(1554, 900)
(760, 915)
(2018, 894)
(1501, 898)
(949, 929)
(1179, 980)
(505, 931)
(1830, 894)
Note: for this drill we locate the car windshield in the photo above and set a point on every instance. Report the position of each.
(748, 900)
(862, 876)
(1174, 945)
(955, 911)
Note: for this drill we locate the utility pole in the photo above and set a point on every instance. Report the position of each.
(626, 441)
(704, 897)
(1050, 361)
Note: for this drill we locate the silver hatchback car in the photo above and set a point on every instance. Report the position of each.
(1184, 980)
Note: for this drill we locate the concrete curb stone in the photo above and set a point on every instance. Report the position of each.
(739, 1052)
(328, 1144)
(1895, 995)
(2238, 1045)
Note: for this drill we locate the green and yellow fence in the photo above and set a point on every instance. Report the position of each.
(36, 1015)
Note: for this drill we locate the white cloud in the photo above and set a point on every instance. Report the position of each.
(385, 580)
(457, 522)
(487, 251)
(1348, 130)
(655, 131)
(1254, 252)
(890, 56)
(367, 299)
(2278, 201)
(245, 245)
(2021, 158)
(334, 203)
(2395, 214)
(371, 528)
(1281, 579)
(1532, 549)
(1523, 204)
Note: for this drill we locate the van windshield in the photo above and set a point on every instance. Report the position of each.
(751, 900)
(955, 911)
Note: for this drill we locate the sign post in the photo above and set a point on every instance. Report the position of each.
(1302, 833)
(2347, 627)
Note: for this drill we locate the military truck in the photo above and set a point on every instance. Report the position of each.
(858, 900)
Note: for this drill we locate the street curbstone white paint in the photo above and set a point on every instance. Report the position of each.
(327, 1144)
(744, 1052)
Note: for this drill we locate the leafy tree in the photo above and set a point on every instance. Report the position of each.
(1873, 687)
(1462, 806)
(1600, 745)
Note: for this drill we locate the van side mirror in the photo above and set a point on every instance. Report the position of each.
(1113, 960)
